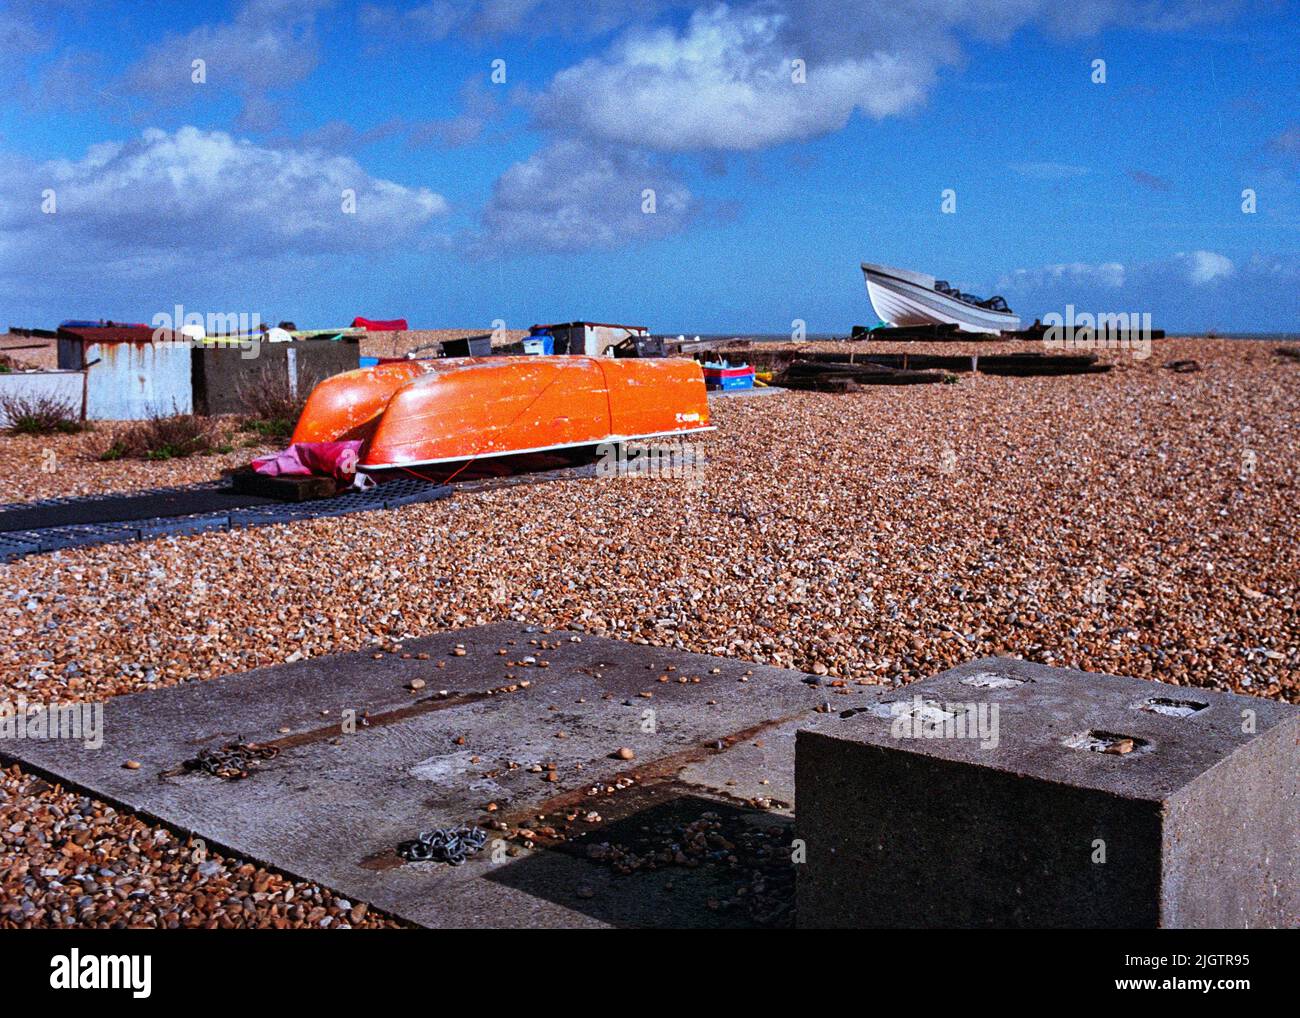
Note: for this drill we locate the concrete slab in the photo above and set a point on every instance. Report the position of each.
(526, 721)
(758, 390)
(760, 767)
(1103, 801)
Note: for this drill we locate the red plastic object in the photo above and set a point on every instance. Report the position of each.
(304, 459)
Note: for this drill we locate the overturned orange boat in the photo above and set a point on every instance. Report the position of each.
(428, 413)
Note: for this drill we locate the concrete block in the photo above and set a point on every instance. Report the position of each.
(61, 386)
(224, 375)
(131, 380)
(1081, 800)
(335, 802)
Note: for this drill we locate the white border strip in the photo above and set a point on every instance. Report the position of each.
(367, 467)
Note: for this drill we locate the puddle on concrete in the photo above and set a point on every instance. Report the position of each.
(930, 712)
(444, 768)
(1110, 743)
(1170, 707)
(991, 680)
(460, 771)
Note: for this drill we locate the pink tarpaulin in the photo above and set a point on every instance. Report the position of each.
(303, 459)
(392, 325)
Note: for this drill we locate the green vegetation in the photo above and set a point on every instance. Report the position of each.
(173, 436)
(40, 415)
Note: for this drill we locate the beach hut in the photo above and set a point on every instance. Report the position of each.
(595, 339)
(130, 371)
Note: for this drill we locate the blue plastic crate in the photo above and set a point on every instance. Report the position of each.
(730, 383)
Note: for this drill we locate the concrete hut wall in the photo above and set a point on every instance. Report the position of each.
(131, 372)
(592, 338)
(63, 386)
(127, 381)
(223, 376)
(129, 378)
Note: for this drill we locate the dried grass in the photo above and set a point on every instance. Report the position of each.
(39, 415)
(165, 437)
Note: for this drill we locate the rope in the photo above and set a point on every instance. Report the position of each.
(541, 392)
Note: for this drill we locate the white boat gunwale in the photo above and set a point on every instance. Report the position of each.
(905, 298)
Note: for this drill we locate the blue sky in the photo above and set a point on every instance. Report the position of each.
(127, 187)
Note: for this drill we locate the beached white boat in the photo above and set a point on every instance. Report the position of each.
(902, 297)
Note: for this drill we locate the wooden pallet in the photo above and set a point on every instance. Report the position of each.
(247, 481)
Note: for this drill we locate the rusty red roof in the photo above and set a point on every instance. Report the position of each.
(117, 334)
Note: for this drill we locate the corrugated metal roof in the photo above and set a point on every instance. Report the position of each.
(118, 334)
(597, 325)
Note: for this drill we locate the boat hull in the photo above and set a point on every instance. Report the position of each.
(446, 411)
(347, 406)
(904, 298)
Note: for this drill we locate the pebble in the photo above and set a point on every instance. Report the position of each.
(1107, 524)
(129, 873)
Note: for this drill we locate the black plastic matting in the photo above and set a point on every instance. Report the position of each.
(250, 511)
(188, 501)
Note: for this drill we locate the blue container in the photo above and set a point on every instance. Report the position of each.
(725, 377)
(540, 342)
(369, 362)
(735, 382)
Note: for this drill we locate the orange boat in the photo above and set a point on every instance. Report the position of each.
(430, 412)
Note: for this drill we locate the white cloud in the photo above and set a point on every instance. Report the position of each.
(725, 82)
(340, 135)
(435, 20)
(25, 31)
(1105, 274)
(268, 46)
(1178, 288)
(1288, 141)
(153, 204)
(574, 196)
(1206, 266)
(427, 22)
(22, 28)
(479, 107)
(728, 80)
(1285, 268)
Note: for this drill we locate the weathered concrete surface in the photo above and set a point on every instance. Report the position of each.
(1200, 821)
(332, 806)
(222, 375)
(759, 767)
(758, 390)
(62, 386)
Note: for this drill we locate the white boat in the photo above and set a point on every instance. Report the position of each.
(902, 298)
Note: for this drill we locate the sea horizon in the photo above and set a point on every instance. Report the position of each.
(785, 337)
